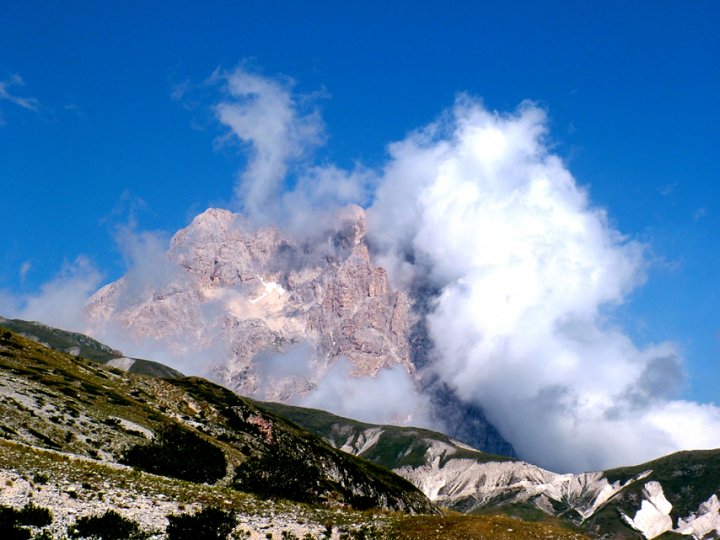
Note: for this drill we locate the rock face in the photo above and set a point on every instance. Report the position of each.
(260, 294)
(277, 312)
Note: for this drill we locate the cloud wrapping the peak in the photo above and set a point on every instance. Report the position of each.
(390, 397)
(59, 302)
(264, 114)
(527, 271)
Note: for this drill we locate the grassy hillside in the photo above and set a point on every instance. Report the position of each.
(393, 447)
(83, 346)
(186, 428)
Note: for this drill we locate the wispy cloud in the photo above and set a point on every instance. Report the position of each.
(279, 130)
(389, 397)
(668, 189)
(28, 103)
(24, 269)
(61, 301)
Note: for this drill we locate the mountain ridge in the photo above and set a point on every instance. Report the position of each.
(258, 296)
(77, 344)
(79, 438)
(676, 494)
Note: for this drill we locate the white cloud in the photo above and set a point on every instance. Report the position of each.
(148, 267)
(264, 114)
(28, 103)
(60, 302)
(280, 185)
(527, 271)
(24, 269)
(388, 398)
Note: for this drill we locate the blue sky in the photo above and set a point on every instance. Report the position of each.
(90, 124)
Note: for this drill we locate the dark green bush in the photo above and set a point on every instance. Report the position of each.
(16, 533)
(208, 524)
(179, 453)
(285, 475)
(13, 521)
(40, 478)
(35, 516)
(9, 524)
(109, 526)
(280, 475)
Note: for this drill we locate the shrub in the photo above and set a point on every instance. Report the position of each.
(35, 516)
(9, 523)
(280, 475)
(16, 533)
(40, 478)
(208, 524)
(12, 521)
(109, 526)
(179, 453)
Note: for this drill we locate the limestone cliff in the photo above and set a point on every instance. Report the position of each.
(258, 292)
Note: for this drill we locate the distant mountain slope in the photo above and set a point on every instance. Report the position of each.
(676, 494)
(81, 345)
(392, 447)
(185, 428)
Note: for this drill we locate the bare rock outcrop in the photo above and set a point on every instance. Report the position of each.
(256, 294)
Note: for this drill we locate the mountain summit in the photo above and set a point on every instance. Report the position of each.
(262, 294)
(278, 313)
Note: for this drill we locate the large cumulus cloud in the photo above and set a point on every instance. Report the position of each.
(528, 272)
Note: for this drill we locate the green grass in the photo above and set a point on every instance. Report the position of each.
(688, 478)
(216, 435)
(396, 447)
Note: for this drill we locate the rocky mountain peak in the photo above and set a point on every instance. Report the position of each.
(279, 311)
(354, 225)
(218, 249)
(261, 293)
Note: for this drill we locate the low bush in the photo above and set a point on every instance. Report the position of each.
(280, 475)
(14, 521)
(208, 524)
(109, 526)
(179, 453)
(35, 516)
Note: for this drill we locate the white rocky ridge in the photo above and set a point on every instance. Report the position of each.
(705, 523)
(512, 481)
(653, 518)
(451, 476)
(472, 484)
